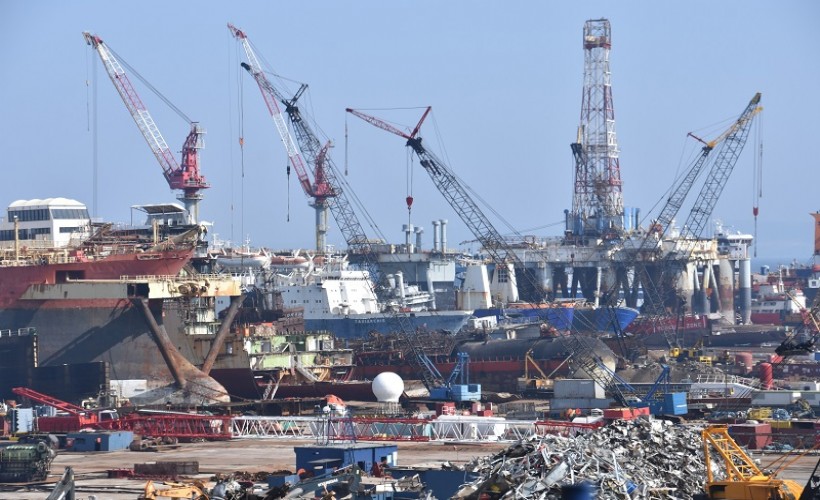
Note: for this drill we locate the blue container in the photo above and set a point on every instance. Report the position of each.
(443, 483)
(322, 459)
(101, 441)
(275, 481)
(675, 403)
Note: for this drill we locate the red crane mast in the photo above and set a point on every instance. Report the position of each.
(186, 177)
(320, 190)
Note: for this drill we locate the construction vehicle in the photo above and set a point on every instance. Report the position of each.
(804, 339)
(182, 426)
(530, 385)
(73, 418)
(660, 400)
(175, 491)
(186, 177)
(743, 478)
(22, 463)
(450, 390)
(694, 353)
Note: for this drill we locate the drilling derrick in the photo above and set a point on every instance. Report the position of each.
(597, 204)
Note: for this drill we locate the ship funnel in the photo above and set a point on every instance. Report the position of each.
(400, 284)
(436, 234)
(419, 231)
(443, 235)
(408, 230)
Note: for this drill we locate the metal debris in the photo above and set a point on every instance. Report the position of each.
(627, 459)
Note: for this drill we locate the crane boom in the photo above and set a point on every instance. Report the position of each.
(271, 96)
(326, 188)
(327, 177)
(578, 347)
(453, 191)
(186, 178)
(732, 144)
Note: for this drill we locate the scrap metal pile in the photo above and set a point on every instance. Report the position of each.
(627, 459)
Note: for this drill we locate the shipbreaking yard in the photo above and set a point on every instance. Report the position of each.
(625, 358)
(629, 459)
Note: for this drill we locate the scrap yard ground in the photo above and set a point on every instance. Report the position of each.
(268, 455)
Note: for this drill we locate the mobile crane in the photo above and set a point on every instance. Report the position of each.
(185, 177)
(744, 479)
(656, 292)
(75, 419)
(731, 144)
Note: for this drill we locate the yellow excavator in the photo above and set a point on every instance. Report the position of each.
(744, 480)
(174, 491)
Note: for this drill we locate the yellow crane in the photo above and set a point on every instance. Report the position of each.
(744, 480)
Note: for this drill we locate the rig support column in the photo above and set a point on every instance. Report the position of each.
(745, 279)
(726, 290)
(224, 328)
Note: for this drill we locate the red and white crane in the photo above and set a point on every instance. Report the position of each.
(185, 177)
(320, 189)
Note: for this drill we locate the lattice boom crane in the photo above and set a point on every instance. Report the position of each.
(321, 189)
(186, 177)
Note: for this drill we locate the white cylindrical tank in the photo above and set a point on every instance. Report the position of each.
(387, 387)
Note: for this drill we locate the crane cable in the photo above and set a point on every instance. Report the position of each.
(757, 182)
(241, 116)
(409, 185)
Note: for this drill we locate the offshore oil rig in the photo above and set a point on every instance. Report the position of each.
(605, 255)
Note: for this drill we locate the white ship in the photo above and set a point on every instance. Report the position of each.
(340, 299)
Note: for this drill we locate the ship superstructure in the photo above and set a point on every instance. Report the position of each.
(339, 298)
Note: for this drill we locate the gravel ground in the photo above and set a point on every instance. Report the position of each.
(268, 455)
(217, 457)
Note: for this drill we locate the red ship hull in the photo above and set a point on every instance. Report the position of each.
(85, 330)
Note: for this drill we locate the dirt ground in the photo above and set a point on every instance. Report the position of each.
(269, 455)
(217, 457)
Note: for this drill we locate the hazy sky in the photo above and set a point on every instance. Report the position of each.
(504, 80)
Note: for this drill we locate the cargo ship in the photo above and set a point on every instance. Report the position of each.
(57, 278)
(339, 299)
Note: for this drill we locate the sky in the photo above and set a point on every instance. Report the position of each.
(504, 80)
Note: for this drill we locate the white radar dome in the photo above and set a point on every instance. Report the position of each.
(388, 387)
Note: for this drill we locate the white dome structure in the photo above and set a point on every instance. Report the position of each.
(387, 387)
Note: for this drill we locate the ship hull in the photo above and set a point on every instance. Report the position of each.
(739, 336)
(114, 331)
(577, 319)
(357, 326)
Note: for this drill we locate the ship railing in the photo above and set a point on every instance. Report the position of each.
(171, 277)
(717, 378)
(461, 429)
(20, 332)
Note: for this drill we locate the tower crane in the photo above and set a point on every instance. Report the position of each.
(185, 177)
(325, 189)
